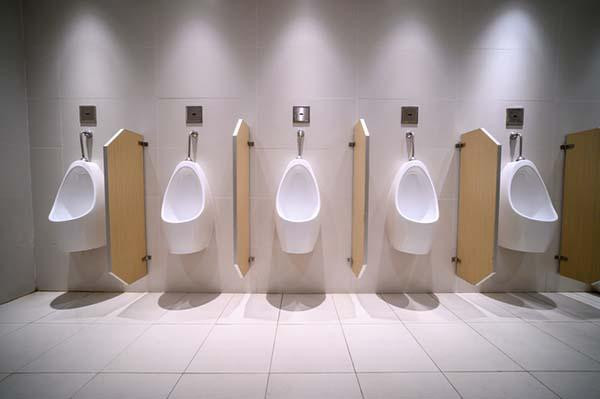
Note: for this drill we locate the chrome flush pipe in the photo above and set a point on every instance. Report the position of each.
(410, 145)
(84, 136)
(193, 135)
(514, 136)
(300, 142)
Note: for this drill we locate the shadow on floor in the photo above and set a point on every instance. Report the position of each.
(415, 302)
(301, 303)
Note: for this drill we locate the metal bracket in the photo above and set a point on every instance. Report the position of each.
(351, 144)
(455, 259)
(459, 145)
(146, 258)
(566, 147)
(561, 258)
(251, 144)
(143, 143)
(349, 260)
(251, 259)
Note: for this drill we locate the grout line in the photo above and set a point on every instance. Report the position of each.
(214, 324)
(273, 348)
(347, 346)
(425, 351)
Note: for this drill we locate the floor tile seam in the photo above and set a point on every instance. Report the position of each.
(568, 312)
(546, 386)
(84, 385)
(497, 347)
(347, 348)
(134, 340)
(273, 347)
(532, 323)
(51, 347)
(55, 310)
(166, 311)
(432, 360)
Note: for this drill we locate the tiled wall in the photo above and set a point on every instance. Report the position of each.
(461, 61)
(16, 220)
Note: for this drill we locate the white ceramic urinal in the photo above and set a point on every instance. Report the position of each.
(186, 212)
(413, 207)
(78, 209)
(526, 217)
(298, 204)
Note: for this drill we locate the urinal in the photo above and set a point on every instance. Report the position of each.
(186, 212)
(413, 206)
(527, 217)
(298, 204)
(78, 209)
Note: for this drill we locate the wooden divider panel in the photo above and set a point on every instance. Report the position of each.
(580, 231)
(478, 206)
(125, 205)
(241, 197)
(360, 197)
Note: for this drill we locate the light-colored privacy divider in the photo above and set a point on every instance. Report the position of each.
(125, 205)
(241, 197)
(360, 197)
(580, 233)
(477, 206)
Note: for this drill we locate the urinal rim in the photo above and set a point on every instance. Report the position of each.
(415, 163)
(304, 163)
(197, 169)
(90, 168)
(513, 167)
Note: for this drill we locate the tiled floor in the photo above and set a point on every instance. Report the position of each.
(175, 345)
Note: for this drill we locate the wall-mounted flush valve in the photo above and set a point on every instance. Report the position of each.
(410, 145)
(300, 135)
(86, 136)
(301, 114)
(513, 137)
(193, 135)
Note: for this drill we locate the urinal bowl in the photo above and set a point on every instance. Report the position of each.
(298, 205)
(187, 210)
(78, 210)
(412, 210)
(526, 216)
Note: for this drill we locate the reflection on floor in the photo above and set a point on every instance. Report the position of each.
(177, 345)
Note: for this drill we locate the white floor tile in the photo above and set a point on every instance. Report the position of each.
(34, 306)
(588, 298)
(363, 309)
(406, 386)
(530, 308)
(310, 348)
(47, 386)
(307, 308)
(3, 376)
(507, 385)
(20, 347)
(469, 307)
(8, 328)
(456, 347)
(92, 308)
(564, 303)
(138, 386)
(236, 348)
(89, 350)
(252, 309)
(585, 337)
(385, 348)
(302, 386)
(162, 348)
(225, 386)
(419, 308)
(197, 308)
(534, 349)
(575, 385)
(147, 309)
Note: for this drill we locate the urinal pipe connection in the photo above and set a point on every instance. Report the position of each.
(193, 135)
(514, 136)
(410, 145)
(300, 142)
(85, 136)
